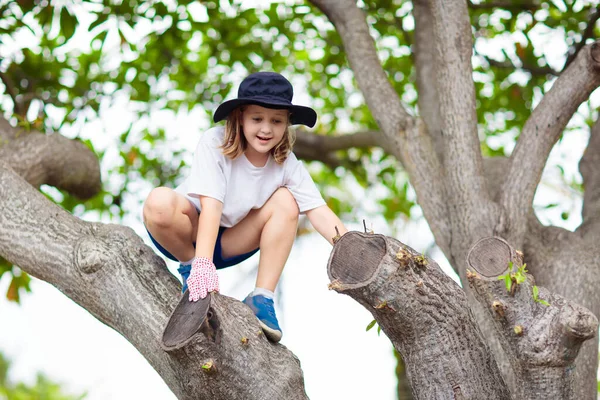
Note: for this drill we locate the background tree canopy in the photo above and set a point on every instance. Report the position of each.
(65, 65)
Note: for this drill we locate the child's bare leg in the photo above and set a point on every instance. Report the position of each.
(273, 229)
(277, 238)
(172, 220)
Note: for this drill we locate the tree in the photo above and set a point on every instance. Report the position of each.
(378, 65)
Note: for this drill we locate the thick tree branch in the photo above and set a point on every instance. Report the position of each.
(416, 305)
(532, 69)
(424, 59)
(312, 154)
(327, 143)
(109, 271)
(53, 160)
(542, 340)
(453, 46)
(405, 137)
(310, 146)
(468, 200)
(359, 46)
(587, 34)
(426, 175)
(589, 166)
(566, 263)
(540, 133)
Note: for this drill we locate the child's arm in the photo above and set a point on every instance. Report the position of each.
(208, 226)
(325, 221)
(203, 276)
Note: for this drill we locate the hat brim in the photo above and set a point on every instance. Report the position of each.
(301, 115)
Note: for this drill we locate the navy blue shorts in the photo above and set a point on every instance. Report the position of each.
(218, 259)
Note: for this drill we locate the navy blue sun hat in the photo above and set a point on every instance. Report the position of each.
(270, 90)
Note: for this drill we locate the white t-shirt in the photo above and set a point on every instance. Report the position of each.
(241, 186)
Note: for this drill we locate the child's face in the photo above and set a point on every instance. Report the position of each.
(263, 128)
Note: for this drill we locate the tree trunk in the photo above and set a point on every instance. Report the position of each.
(427, 318)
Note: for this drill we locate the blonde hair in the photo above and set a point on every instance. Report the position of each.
(235, 143)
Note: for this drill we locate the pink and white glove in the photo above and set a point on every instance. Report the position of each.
(203, 278)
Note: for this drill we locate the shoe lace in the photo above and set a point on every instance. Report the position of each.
(269, 307)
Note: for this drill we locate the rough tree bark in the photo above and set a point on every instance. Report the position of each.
(540, 331)
(413, 302)
(426, 316)
(423, 312)
(108, 270)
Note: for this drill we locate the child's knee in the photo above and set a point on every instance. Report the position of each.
(286, 203)
(159, 208)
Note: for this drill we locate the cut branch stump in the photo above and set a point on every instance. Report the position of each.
(541, 332)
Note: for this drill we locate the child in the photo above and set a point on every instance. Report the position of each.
(244, 193)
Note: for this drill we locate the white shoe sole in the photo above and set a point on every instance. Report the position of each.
(271, 334)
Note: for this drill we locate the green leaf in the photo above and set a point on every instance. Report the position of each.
(535, 292)
(507, 282)
(371, 324)
(68, 23)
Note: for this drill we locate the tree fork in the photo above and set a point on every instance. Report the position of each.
(423, 312)
(541, 332)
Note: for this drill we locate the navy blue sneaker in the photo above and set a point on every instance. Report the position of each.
(184, 271)
(264, 310)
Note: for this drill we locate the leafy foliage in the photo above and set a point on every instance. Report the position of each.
(185, 57)
(513, 278)
(43, 388)
(19, 280)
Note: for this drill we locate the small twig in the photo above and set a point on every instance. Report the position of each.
(337, 236)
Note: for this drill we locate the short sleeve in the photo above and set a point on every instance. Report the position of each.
(300, 184)
(207, 176)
